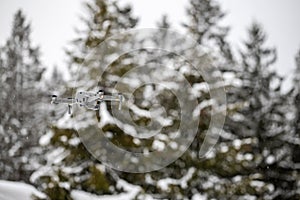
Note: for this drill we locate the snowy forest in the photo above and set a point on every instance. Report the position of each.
(43, 153)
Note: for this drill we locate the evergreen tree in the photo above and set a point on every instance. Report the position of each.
(263, 116)
(105, 18)
(84, 179)
(204, 17)
(74, 167)
(251, 161)
(203, 24)
(296, 103)
(21, 73)
(297, 92)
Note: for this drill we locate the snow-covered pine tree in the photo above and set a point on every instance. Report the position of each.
(103, 19)
(263, 116)
(91, 176)
(204, 25)
(20, 87)
(297, 92)
(204, 17)
(229, 171)
(296, 102)
(69, 166)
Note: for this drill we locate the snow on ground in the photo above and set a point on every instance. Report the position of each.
(16, 190)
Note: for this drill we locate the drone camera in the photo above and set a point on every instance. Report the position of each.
(100, 93)
(54, 98)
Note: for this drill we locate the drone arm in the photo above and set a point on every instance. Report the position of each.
(56, 100)
(120, 101)
(118, 98)
(69, 109)
(110, 98)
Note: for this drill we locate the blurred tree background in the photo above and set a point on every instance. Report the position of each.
(256, 157)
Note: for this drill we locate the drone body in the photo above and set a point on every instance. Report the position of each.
(90, 100)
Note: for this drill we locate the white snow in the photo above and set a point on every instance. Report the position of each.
(224, 148)
(158, 145)
(149, 179)
(74, 141)
(79, 121)
(40, 172)
(173, 145)
(16, 190)
(257, 184)
(237, 143)
(148, 92)
(133, 83)
(128, 129)
(237, 178)
(57, 155)
(14, 149)
(212, 180)
(248, 156)
(15, 122)
(231, 79)
(271, 187)
(106, 118)
(239, 157)
(201, 106)
(65, 121)
(238, 117)
(72, 170)
(270, 159)
(1, 130)
(136, 141)
(131, 193)
(138, 111)
(170, 85)
(63, 138)
(163, 184)
(199, 197)
(45, 139)
(210, 154)
(199, 88)
(249, 197)
(65, 185)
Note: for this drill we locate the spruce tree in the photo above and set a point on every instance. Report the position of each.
(296, 82)
(21, 74)
(263, 115)
(76, 168)
(204, 17)
(296, 103)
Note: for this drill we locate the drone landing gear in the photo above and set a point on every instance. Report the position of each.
(69, 109)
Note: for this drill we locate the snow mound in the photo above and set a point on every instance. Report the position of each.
(131, 193)
(16, 190)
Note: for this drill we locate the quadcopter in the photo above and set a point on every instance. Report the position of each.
(90, 100)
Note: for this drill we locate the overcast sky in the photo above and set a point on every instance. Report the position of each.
(53, 23)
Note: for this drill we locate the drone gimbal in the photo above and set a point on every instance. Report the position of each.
(90, 100)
